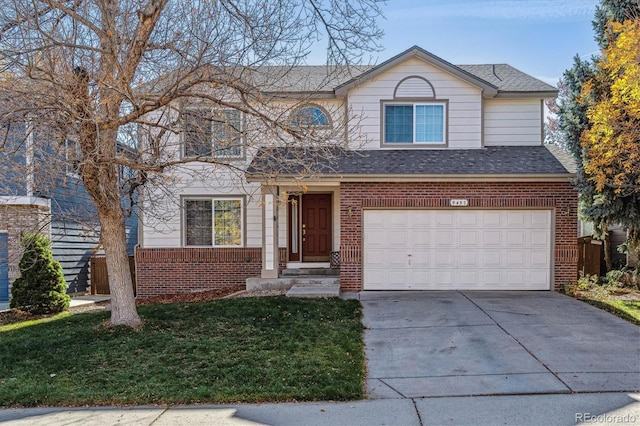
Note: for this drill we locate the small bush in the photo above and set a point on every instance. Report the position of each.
(588, 284)
(41, 288)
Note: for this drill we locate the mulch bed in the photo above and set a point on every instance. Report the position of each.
(200, 296)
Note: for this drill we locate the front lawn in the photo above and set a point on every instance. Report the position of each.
(626, 309)
(231, 350)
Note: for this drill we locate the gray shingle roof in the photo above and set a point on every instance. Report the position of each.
(503, 160)
(323, 78)
(507, 78)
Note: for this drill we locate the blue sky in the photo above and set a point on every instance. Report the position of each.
(539, 37)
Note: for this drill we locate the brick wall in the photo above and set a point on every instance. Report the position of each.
(184, 270)
(561, 197)
(18, 219)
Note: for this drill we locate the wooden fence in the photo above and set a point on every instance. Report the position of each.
(99, 277)
(590, 256)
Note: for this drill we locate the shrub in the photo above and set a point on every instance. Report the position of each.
(589, 284)
(41, 288)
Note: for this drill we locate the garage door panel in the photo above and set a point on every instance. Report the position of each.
(491, 219)
(468, 219)
(444, 259)
(421, 279)
(491, 258)
(397, 239)
(396, 278)
(540, 219)
(420, 219)
(397, 219)
(540, 238)
(457, 249)
(445, 239)
(444, 219)
(421, 258)
(515, 219)
(443, 278)
(419, 238)
(467, 238)
(469, 259)
(394, 257)
(540, 259)
(538, 280)
(516, 278)
(517, 259)
(516, 239)
(491, 278)
(492, 239)
(468, 279)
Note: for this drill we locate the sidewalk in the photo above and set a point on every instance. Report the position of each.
(76, 301)
(564, 409)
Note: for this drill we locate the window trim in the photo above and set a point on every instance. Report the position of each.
(413, 103)
(315, 126)
(211, 111)
(213, 199)
(72, 166)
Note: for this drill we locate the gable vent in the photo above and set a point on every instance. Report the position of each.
(414, 87)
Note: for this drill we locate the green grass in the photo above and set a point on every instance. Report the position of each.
(625, 309)
(232, 350)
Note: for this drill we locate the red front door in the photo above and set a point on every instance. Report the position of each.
(316, 227)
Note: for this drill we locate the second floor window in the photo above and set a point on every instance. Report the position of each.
(212, 133)
(415, 123)
(310, 115)
(73, 157)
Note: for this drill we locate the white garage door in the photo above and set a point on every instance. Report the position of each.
(457, 249)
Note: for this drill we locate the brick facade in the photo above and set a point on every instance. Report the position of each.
(184, 270)
(180, 270)
(18, 219)
(559, 197)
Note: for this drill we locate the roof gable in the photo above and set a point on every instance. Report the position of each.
(488, 88)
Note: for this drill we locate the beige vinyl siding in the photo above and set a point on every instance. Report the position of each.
(165, 230)
(512, 122)
(464, 105)
(162, 221)
(195, 179)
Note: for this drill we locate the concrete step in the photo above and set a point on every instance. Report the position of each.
(285, 283)
(297, 272)
(307, 291)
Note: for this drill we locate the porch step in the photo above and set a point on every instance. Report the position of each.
(285, 283)
(315, 291)
(305, 272)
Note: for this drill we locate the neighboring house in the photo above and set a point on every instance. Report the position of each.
(43, 193)
(447, 185)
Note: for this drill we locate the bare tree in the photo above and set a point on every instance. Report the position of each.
(94, 71)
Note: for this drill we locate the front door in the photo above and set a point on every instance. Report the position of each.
(315, 228)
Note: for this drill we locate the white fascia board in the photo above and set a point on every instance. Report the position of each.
(21, 200)
(282, 180)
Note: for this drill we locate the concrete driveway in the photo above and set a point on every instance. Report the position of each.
(450, 343)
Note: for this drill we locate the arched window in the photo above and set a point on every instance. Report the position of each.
(310, 115)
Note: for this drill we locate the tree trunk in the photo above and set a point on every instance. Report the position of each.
(101, 181)
(123, 306)
(607, 251)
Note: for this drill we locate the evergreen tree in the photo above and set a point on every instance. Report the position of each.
(602, 206)
(41, 287)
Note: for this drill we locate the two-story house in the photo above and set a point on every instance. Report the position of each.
(445, 185)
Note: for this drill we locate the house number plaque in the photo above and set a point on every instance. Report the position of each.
(458, 202)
